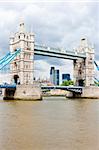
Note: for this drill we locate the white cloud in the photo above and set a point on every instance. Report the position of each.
(42, 68)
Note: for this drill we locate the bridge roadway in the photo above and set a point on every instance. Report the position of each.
(76, 89)
(57, 52)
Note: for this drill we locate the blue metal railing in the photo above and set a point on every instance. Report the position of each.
(7, 86)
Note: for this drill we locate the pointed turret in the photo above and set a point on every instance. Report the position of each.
(21, 26)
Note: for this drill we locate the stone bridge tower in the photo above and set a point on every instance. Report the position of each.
(84, 68)
(21, 67)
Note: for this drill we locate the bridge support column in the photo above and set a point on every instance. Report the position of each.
(23, 92)
(79, 72)
(90, 92)
(84, 68)
(89, 68)
(28, 92)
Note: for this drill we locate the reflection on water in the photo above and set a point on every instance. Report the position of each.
(51, 124)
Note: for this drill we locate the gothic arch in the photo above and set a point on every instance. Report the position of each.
(16, 79)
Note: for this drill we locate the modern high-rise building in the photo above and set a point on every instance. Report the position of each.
(65, 77)
(54, 76)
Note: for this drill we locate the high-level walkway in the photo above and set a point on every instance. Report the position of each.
(57, 52)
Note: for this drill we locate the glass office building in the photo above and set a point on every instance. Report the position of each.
(66, 77)
(54, 76)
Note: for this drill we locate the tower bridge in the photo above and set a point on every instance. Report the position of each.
(22, 65)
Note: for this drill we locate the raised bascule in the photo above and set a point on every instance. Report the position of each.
(22, 66)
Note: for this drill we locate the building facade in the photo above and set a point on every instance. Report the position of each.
(21, 68)
(66, 77)
(54, 76)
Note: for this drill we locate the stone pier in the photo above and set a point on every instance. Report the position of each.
(24, 92)
(91, 92)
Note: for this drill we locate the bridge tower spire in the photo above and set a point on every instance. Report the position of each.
(84, 68)
(21, 67)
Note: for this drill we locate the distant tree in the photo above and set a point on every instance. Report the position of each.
(67, 83)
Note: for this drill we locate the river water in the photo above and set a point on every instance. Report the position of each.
(55, 123)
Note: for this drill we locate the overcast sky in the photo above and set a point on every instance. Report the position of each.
(55, 23)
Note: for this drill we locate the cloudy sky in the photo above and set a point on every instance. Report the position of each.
(55, 23)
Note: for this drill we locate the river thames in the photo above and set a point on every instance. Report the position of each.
(55, 123)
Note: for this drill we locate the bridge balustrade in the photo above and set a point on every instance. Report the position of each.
(61, 51)
(41, 46)
(55, 49)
